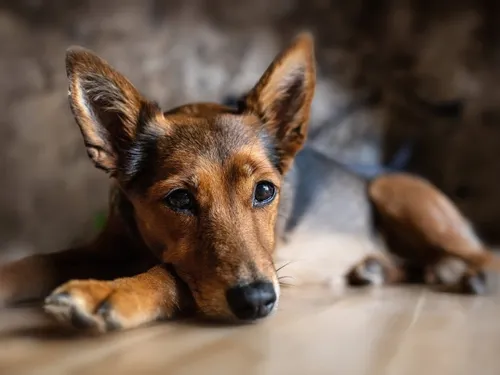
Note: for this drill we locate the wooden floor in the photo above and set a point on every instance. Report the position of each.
(399, 331)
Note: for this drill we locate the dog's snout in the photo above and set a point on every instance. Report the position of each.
(252, 301)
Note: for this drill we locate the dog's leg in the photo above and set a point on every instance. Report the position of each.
(113, 254)
(119, 304)
(423, 224)
(376, 269)
(116, 252)
(35, 276)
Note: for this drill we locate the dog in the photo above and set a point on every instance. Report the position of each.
(202, 195)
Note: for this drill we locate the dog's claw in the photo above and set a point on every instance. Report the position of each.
(61, 298)
(82, 321)
(68, 312)
(368, 272)
(94, 306)
(474, 284)
(106, 311)
(373, 267)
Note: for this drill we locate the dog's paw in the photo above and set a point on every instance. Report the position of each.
(473, 283)
(368, 272)
(447, 271)
(96, 306)
(469, 283)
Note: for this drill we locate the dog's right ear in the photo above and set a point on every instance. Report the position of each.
(106, 107)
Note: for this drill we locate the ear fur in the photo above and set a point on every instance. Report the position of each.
(282, 98)
(106, 106)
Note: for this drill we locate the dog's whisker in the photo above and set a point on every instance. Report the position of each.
(285, 277)
(283, 266)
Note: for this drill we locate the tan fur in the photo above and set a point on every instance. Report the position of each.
(298, 61)
(153, 262)
(217, 154)
(425, 219)
(423, 231)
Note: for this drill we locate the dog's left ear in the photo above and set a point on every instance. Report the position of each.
(282, 98)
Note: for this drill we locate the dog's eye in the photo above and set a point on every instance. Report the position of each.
(264, 193)
(180, 200)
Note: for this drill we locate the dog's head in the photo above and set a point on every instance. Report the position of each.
(204, 179)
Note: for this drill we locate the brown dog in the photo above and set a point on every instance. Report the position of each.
(193, 219)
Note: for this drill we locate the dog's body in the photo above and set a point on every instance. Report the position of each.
(204, 193)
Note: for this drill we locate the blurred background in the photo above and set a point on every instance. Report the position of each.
(413, 78)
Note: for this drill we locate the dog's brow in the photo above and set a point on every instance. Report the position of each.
(247, 169)
(252, 158)
(174, 182)
(193, 181)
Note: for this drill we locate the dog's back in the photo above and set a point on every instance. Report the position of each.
(325, 197)
(325, 220)
(332, 217)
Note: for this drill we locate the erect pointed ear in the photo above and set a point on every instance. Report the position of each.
(106, 106)
(282, 98)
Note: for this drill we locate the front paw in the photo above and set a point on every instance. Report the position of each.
(97, 306)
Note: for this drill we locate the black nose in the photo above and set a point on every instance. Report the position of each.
(231, 101)
(251, 301)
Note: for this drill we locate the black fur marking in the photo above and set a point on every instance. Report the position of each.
(186, 304)
(127, 214)
(106, 311)
(81, 321)
(271, 149)
(238, 103)
(139, 159)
